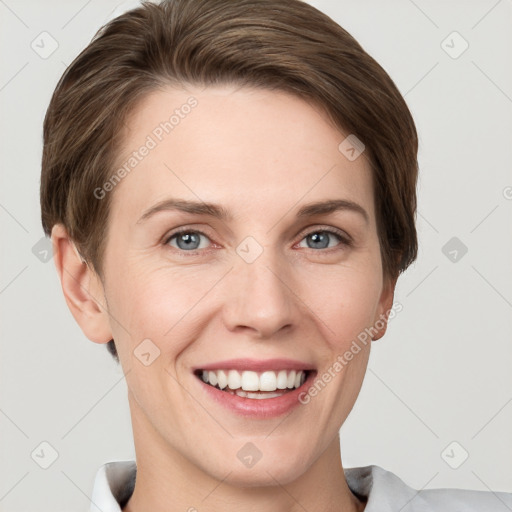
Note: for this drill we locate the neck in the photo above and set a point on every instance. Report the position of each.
(167, 481)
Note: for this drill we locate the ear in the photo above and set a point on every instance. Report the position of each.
(82, 288)
(385, 305)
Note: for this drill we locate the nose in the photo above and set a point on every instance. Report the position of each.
(260, 298)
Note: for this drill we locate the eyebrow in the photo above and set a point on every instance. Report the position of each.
(219, 212)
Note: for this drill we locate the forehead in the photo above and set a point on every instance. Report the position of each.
(243, 146)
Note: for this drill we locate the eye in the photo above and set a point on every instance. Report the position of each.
(187, 240)
(321, 238)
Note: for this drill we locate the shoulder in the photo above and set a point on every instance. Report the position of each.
(386, 492)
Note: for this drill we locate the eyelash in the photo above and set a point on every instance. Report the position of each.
(342, 237)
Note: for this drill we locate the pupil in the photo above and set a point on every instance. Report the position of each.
(321, 239)
(188, 239)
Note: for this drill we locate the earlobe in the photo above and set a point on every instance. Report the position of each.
(82, 288)
(385, 306)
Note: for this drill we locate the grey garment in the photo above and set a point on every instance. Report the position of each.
(386, 492)
(382, 490)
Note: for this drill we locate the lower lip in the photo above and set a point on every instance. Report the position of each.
(258, 408)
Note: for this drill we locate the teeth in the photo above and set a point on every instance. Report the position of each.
(249, 381)
(267, 382)
(222, 379)
(291, 379)
(257, 396)
(212, 378)
(234, 379)
(282, 380)
(216, 378)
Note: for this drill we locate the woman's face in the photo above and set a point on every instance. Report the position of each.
(260, 283)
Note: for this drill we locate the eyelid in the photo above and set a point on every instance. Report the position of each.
(344, 236)
(187, 229)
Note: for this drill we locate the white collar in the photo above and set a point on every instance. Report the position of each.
(113, 486)
(383, 490)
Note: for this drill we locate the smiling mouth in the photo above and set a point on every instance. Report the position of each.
(257, 385)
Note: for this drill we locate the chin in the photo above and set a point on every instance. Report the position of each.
(268, 466)
(263, 474)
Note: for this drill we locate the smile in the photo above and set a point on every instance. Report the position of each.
(253, 394)
(255, 388)
(255, 385)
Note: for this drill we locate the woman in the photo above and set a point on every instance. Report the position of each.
(230, 192)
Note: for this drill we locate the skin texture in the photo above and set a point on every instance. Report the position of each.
(261, 155)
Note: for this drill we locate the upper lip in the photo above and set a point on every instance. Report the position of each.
(256, 365)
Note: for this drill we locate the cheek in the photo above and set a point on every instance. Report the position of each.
(163, 304)
(346, 302)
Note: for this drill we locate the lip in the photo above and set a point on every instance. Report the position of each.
(256, 365)
(253, 408)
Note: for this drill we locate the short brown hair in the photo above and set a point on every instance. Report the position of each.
(285, 45)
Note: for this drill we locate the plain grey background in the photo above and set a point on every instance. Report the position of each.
(435, 407)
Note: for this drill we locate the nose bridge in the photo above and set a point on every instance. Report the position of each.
(259, 295)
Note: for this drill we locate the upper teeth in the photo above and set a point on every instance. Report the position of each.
(254, 381)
